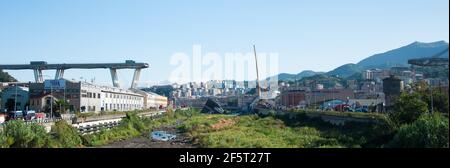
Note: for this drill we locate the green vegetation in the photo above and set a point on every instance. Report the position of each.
(408, 108)
(326, 80)
(134, 126)
(130, 127)
(429, 131)
(440, 100)
(252, 131)
(377, 116)
(345, 71)
(5, 77)
(66, 136)
(290, 130)
(18, 134)
(414, 126)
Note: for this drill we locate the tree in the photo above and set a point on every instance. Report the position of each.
(440, 100)
(5, 77)
(21, 135)
(65, 135)
(407, 108)
(61, 106)
(429, 131)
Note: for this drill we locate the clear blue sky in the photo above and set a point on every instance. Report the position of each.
(309, 35)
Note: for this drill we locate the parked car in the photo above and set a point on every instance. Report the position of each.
(15, 115)
(40, 116)
(342, 108)
(364, 109)
(29, 115)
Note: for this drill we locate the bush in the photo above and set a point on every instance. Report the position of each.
(21, 135)
(3, 141)
(65, 135)
(407, 108)
(131, 126)
(133, 121)
(429, 131)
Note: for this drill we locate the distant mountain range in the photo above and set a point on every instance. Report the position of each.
(299, 76)
(345, 71)
(396, 57)
(400, 56)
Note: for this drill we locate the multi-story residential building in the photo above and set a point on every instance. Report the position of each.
(153, 100)
(376, 75)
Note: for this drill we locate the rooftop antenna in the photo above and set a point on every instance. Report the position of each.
(258, 89)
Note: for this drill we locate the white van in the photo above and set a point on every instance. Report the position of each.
(30, 115)
(18, 114)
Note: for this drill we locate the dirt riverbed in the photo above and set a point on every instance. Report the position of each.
(181, 141)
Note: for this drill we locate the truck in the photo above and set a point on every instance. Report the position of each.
(15, 115)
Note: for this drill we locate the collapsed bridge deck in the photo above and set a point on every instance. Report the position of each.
(38, 66)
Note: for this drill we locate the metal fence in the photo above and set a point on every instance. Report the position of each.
(94, 128)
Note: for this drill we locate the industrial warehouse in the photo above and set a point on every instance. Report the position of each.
(77, 96)
(80, 96)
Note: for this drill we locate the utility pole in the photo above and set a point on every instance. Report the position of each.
(64, 98)
(51, 100)
(431, 98)
(15, 99)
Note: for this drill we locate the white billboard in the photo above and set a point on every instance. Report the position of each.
(54, 84)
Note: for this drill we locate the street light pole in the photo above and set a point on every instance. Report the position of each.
(431, 99)
(64, 99)
(15, 100)
(51, 101)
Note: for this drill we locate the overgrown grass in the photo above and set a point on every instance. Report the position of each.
(253, 131)
(226, 131)
(17, 133)
(362, 115)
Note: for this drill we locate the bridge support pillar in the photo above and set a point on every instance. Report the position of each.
(59, 74)
(38, 75)
(137, 74)
(114, 77)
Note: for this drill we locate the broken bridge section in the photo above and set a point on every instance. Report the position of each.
(39, 66)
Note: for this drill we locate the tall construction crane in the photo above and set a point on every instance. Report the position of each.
(260, 100)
